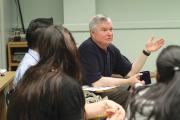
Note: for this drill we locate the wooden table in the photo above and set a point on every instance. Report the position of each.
(4, 83)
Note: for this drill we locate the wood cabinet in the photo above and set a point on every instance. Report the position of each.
(16, 51)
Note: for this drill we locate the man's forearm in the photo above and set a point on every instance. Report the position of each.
(138, 64)
(109, 81)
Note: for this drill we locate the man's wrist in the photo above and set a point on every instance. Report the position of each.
(129, 82)
(146, 53)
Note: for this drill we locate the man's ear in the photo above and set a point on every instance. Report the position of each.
(92, 33)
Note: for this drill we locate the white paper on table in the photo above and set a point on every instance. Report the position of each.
(96, 89)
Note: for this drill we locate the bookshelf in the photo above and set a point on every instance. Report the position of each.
(15, 51)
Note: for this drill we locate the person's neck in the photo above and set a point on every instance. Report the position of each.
(104, 47)
(35, 49)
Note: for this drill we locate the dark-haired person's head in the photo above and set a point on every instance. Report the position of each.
(57, 49)
(161, 99)
(167, 61)
(168, 67)
(34, 24)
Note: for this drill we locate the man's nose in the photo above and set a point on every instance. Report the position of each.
(110, 32)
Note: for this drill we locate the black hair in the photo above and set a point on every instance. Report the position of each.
(167, 106)
(34, 24)
(163, 97)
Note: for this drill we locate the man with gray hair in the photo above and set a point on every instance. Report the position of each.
(100, 58)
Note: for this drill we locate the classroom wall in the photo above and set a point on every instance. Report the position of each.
(5, 29)
(32, 9)
(133, 21)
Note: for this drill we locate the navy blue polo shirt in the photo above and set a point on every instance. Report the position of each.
(97, 62)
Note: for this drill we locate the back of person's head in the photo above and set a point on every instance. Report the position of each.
(34, 24)
(59, 51)
(167, 63)
(50, 96)
(162, 99)
(68, 36)
(97, 19)
(167, 107)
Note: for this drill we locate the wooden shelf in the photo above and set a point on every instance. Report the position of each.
(14, 48)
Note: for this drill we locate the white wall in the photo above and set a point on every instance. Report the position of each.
(32, 9)
(5, 29)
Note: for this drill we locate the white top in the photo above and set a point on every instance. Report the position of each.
(31, 58)
(144, 107)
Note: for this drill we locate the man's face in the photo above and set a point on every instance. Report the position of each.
(102, 34)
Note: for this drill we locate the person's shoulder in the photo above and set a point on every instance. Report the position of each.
(145, 103)
(25, 63)
(142, 90)
(69, 82)
(24, 60)
(87, 44)
(23, 66)
(112, 48)
(27, 60)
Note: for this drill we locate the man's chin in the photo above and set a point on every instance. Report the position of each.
(109, 42)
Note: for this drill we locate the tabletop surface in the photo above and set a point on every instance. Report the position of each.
(6, 79)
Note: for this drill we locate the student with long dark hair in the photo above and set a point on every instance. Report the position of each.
(161, 100)
(51, 89)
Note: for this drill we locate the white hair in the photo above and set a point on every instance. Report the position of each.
(96, 19)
